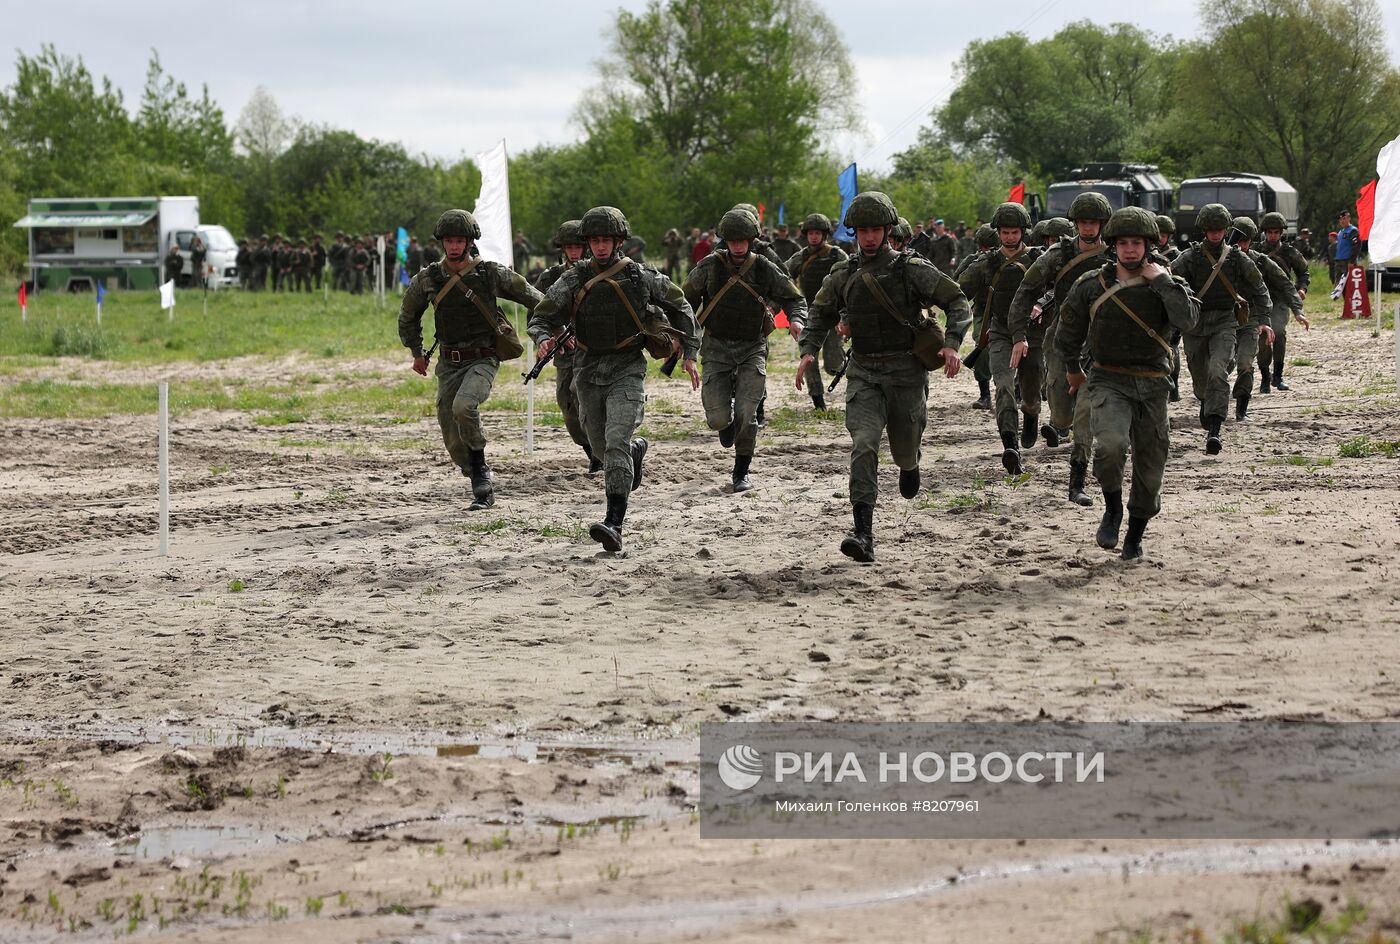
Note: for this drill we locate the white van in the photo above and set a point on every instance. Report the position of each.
(220, 259)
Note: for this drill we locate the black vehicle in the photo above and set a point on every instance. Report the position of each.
(1244, 194)
(1124, 185)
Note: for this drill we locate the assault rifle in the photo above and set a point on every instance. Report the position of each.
(560, 343)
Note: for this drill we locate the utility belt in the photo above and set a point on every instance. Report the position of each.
(881, 358)
(465, 355)
(1130, 371)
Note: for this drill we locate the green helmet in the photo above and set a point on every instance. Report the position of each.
(817, 221)
(1245, 226)
(568, 235)
(1037, 233)
(871, 208)
(457, 223)
(1213, 216)
(748, 208)
(1273, 220)
(1165, 224)
(1011, 215)
(902, 230)
(1057, 227)
(1090, 205)
(986, 236)
(737, 224)
(1131, 221)
(604, 221)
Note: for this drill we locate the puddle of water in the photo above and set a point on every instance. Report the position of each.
(199, 842)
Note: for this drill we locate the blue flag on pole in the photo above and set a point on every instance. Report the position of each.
(401, 246)
(782, 207)
(101, 292)
(848, 185)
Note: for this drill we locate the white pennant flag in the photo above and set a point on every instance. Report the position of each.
(493, 206)
(1385, 228)
(167, 294)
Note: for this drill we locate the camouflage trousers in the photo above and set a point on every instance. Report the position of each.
(462, 389)
(1246, 350)
(880, 399)
(612, 413)
(1130, 412)
(734, 380)
(1063, 404)
(1029, 373)
(1083, 427)
(1271, 356)
(833, 354)
(1210, 355)
(567, 397)
(982, 370)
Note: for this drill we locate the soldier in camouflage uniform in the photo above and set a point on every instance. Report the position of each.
(1290, 260)
(995, 277)
(735, 293)
(1125, 310)
(568, 241)
(941, 248)
(986, 242)
(810, 267)
(1282, 294)
(1165, 247)
(339, 257)
(784, 245)
(606, 297)
(1222, 279)
(262, 259)
(1052, 275)
(900, 235)
(462, 290)
(882, 295)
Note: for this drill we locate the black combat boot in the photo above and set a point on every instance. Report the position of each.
(595, 465)
(608, 532)
(1010, 455)
(741, 473)
(1053, 436)
(818, 400)
(483, 494)
(1107, 536)
(1078, 471)
(860, 543)
(984, 399)
(1242, 407)
(726, 436)
(1132, 543)
(1213, 443)
(1278, 377)
(639, 452)
(1264, 381)
(1027, 431)
(909, 482)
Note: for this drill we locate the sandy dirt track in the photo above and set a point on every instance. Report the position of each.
(376, 613)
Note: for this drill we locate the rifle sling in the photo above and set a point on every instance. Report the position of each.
(1218, 271)
(1068, 266)
(607, 276)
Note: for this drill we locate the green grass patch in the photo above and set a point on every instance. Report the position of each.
(1305, 462)
(789, 420)
(1362, 447)
(1302, 362)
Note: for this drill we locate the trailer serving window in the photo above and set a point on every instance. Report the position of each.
(53, 241)
(141, 239)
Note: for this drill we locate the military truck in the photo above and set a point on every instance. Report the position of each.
(1244, 194)
(1123, 184)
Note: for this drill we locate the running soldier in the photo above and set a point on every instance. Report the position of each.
(568, 241)
(1288, 258)
(809, 267)
(882, 297)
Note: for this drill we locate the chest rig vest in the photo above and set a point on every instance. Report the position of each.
(735, 308)
(874, 331)
(460, 316)
(606, 310)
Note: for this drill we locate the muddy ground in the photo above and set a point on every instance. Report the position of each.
(194, 747)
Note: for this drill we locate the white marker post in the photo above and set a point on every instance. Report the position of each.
(529, 399)
(1395, 323)
(164, 469)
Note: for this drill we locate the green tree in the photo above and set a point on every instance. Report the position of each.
(1301, 89)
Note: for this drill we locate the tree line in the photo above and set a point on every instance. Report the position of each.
(700, 105)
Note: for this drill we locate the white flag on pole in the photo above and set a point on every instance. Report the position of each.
(167, 294)
(493, 206)
(1385, 228)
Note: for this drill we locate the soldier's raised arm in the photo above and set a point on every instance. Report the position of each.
(511, 284)
(548, 317)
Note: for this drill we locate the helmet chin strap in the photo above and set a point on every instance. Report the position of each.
(1133, 266)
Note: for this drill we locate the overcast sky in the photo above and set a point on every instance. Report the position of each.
(448, 80)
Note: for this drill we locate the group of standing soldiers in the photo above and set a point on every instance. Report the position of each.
(1086, 313)
(352, 263)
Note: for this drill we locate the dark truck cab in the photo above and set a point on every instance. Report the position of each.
(1124, 185)
(1250, 195)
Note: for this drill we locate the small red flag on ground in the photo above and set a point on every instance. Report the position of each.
(1366, 209)
(22, 296)
(1018, 194)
